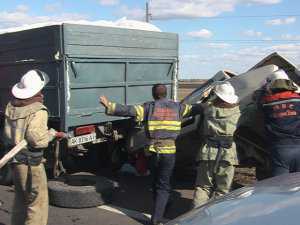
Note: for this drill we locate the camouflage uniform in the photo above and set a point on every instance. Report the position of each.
(31, 194)
(218, 124)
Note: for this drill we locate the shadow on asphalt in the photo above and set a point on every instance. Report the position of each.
(134, 193)
(177, 206)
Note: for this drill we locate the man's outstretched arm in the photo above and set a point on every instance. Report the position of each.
(116, 109)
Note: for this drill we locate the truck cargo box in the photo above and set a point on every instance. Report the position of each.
(84, 62)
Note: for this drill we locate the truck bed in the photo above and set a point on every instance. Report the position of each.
(84, 62)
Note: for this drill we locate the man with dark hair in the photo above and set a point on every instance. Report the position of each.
(159, 91)
(162, 118)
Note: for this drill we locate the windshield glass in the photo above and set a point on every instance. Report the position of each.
(196, 95)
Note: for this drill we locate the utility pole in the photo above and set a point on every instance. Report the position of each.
(148, 14)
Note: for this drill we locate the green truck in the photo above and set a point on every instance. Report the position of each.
(84, 62)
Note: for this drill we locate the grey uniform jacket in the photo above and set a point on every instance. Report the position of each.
(29, 123)
(218, 123)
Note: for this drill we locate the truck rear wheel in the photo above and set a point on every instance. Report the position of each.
(80, 190)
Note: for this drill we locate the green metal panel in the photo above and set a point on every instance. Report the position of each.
(150, 71)
(84, 107)
(39, 43)
(96, 41)
(11, 73)
(142, 75)
(87, 73)
(76, 28)
(122, 81)
(122, 64)
(117, 38)
(117, 52)
(31, 49)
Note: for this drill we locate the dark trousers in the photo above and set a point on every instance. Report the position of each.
(285, 159)
(162, 166)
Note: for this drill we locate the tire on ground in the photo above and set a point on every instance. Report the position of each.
(6, 175)
(80, 191)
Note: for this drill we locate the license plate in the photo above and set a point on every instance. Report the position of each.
(82, 139)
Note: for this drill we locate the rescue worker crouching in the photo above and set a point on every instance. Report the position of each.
(217, 157)
(280, 104)
(26, 118)
(162, 118)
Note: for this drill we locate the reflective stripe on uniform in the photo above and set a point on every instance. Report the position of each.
(187, 109)
(164, 125)
(171, 149)
(152, 128)
(111, 108)
(281, 102)
(139, 112)
(164, 122)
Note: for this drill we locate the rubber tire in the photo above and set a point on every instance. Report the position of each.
(6, 177)
(64, 195)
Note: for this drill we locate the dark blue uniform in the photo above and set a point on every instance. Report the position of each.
(282, 121)
(162, 120)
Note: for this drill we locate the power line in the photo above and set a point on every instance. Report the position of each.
(237, 40)
(243, 44)
(251, 16)
(235, 17)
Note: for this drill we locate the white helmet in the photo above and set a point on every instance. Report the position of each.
(277, 75)
(30, 84)
(226, 92)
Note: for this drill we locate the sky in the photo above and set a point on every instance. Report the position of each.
(213, 34)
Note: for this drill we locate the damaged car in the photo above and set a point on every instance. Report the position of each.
(250, 134)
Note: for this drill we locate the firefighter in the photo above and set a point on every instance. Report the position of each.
(280, 104)
(217, 156)
(162, 119)
(26, 118)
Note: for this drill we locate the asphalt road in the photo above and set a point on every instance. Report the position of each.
(131, 205)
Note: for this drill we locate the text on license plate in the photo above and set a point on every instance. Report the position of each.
(82, 139)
